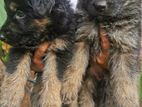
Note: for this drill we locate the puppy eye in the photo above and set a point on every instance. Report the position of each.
(13, 6)
(19, 14)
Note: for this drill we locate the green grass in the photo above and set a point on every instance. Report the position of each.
(2, 20)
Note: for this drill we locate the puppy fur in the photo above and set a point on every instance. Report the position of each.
(118, 88)
(29, 23)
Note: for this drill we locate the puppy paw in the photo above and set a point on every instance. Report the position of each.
(57, 44)
(52, 47)
(54, 105)
(69, 93)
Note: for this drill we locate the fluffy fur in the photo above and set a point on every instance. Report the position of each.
(29, 23)
(121, 19)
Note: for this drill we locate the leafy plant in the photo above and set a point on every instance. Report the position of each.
(3, 46)
(4, 49)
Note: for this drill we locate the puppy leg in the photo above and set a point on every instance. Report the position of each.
(86, 92)
(123, 81)
(13, 86)
(48, 94)
(35, 95)
(73, 75)
(74, 103)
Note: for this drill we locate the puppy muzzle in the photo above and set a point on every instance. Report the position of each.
(100, 5)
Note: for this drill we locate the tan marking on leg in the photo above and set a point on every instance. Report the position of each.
(86, 92)
(73, 75)
(74, 103)
(13, 86)
(49, 92)
(123, 84)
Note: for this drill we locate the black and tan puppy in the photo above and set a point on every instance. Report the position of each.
(121, 20)
(29, 23)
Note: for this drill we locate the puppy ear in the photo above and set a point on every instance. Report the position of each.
(42, 6)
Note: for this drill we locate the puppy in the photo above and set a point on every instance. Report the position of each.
(29, 23)
(121, 20)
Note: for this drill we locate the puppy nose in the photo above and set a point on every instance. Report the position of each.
(2, 37)
(100, 5)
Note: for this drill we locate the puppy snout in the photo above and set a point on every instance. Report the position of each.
(100, 5)
(2, 37)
